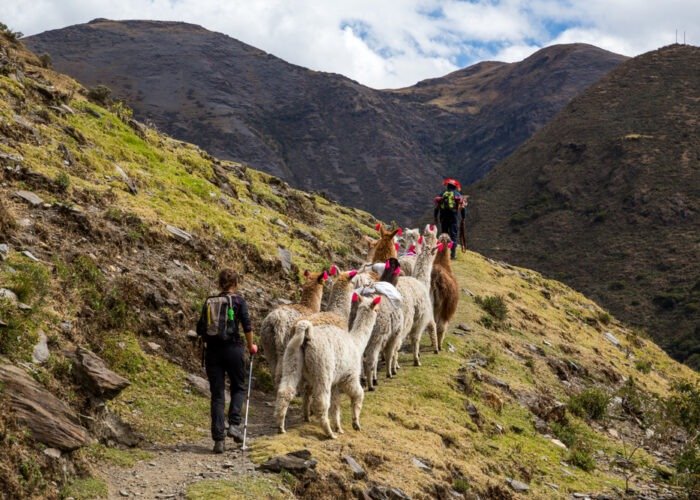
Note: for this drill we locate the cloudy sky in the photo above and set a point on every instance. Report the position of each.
(393, 43)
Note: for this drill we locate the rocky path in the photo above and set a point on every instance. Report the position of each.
(173, 468)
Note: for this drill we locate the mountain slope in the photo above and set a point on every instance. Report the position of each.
(383, 151)
(98, 266)
(607, 197)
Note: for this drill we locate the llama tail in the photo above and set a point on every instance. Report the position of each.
(292, 371)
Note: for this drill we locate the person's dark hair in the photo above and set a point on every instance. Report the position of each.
(228, 278)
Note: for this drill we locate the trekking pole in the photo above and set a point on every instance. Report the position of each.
(247, 403)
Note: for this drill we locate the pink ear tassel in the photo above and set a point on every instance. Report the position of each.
(412, 249)
(396, 246)
(397, 271)
(440, 247)
(376, 300)
(420, 240)
(378, 226)
(432, 227)
(334, 270)
(387, 263)
(355, 297)
(325, 275)
(352, 273)
(399, 232)
(450, 245)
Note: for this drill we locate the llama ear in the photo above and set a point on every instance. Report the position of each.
(432, 228)
(306, 273)
(352, 273)
(396, 246)
(387, 263)
(399, 232)
(378, 227)
(355, 297)
(450, 245)
(420, 239)
(397, 271)
(334, 270)
(324, 276)
(377, 300)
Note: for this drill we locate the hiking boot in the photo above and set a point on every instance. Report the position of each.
(219, 447)
(235, 432)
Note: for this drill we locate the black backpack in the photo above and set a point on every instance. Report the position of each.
(219, 320)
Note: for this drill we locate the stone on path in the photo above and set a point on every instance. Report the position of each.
(558, 443)
(199, 384)
(49, 420)
(357, 471)
(31, 198)
(289, 462)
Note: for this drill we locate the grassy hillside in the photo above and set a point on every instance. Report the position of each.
(96, 265)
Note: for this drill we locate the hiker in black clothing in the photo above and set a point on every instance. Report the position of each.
(225, 354)
(449, 207)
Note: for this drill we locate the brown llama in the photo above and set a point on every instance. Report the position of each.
(444, 290)
(386, 247)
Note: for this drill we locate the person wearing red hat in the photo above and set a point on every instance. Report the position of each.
(449, 206)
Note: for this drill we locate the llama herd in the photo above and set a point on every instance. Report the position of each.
(406, 288)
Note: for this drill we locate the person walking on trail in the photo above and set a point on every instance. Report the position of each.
(450, 206)
(219, 326)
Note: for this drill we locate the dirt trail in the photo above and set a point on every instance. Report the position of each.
(172, 468)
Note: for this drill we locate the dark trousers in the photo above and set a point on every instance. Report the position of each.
(450, 226)
(220, 360)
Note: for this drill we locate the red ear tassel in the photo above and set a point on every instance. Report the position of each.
(412, 248)
(420, 240)
(387, 263)
(378, 226)
(325, 275)
(399, 232)
(352, 273)
(432, 227)
(450, 245)
(440, 247)
(334, 270)
(397, 271)
(376, 300)
(396, 246)
(355, 297)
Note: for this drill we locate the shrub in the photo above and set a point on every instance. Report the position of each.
(460, 485)
(63, 182)
(100, 94)
(591, 403)
(643, 365)
(11, 35)
(604, 317)
(581, 457)
(31, 280)
(45, 60)
(494, 305)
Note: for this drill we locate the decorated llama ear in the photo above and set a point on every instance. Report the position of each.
(397, 271)
(324, 276)
(420, 239)
(432, 227)
(334, 270)
(355, 297)
(352, 273)
(440, 247)
(377, 300)
(378, 226)
(399, 232)
(450, 245)
(387, 263)
(412, 248)
(396, 246)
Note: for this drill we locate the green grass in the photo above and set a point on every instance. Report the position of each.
(121, 457)
(242, 488)
(84, 489)
(590, 403)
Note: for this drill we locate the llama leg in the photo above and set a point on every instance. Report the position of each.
(368, 372)
(415, 344)
(389, 356)
(357, 395)
(335, 411)
(441, 327)
(284, 398)
(306, 402)
(322, 400)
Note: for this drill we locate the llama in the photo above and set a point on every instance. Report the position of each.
(328, 359)
(416, 306)
(370, 244)
(413, 247)
(444, 290)
(277, 326)
(385, 248)
(410, 237)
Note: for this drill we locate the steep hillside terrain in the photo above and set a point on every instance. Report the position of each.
(382, 151)
(110, 234)
(607, 198)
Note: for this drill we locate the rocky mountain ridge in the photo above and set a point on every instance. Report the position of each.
(383, 151)
(607, 196)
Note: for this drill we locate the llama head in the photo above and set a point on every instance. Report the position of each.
(430, 229)
(385, 247)
(317, 278)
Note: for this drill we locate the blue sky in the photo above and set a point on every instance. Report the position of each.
(393, 43)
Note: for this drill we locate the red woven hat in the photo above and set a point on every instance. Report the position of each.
(452, 181)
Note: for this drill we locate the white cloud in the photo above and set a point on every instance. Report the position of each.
(392, 43)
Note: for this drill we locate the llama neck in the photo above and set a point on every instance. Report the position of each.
(384, 250)
(311, 296)
(340, 300)
(424, 265)
(362, 327)
(443, 260)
